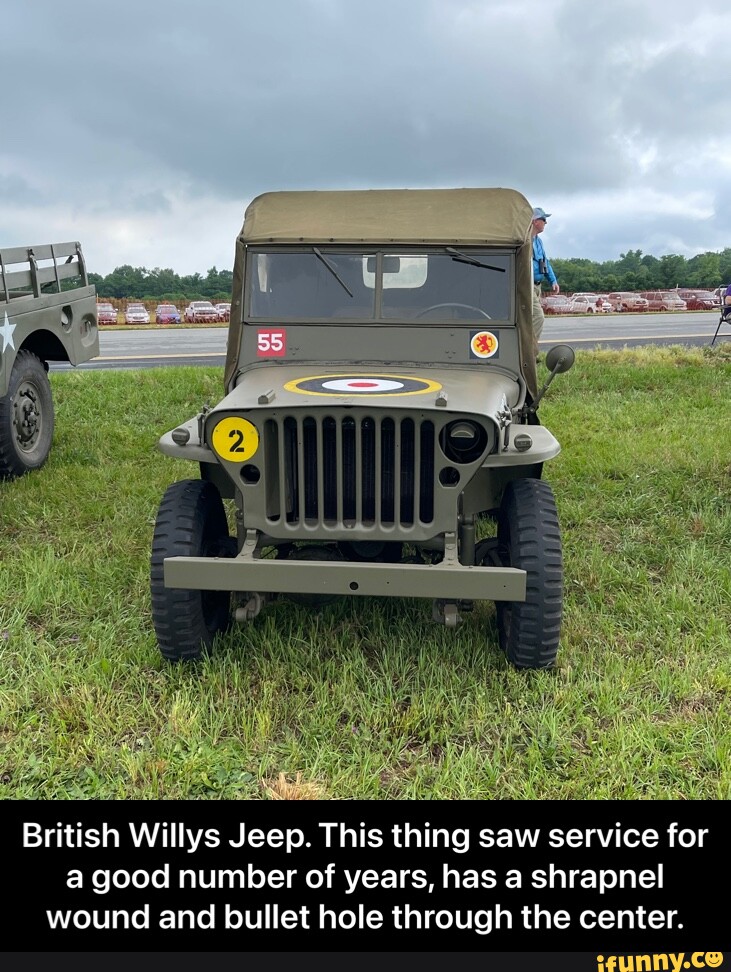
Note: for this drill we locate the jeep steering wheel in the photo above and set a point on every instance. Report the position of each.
(453, 304)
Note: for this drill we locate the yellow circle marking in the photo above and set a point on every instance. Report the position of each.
(235, 439)
(484, 344)
(293, 386)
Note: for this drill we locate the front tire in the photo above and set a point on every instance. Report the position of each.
(529, 538)
(26, 418)
(191, 522)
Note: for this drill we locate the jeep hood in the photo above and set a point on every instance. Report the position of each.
(311, 386)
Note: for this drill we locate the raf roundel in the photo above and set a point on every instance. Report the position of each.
(366, 385)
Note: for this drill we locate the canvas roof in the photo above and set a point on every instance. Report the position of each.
(499, 217)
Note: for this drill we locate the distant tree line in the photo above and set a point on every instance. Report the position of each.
(156, 285)
(632, 271)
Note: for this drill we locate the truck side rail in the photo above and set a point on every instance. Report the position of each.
(26, 270)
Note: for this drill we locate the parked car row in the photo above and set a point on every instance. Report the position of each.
(683, 298)
(136, 314)
(203, 311)
(699, 299)
(167, 314)
(198, 311)
(619, 301)
(106, 313)
(589, 304)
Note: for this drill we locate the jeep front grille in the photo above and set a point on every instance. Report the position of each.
(347, 471)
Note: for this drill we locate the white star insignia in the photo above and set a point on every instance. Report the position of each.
(7, 332)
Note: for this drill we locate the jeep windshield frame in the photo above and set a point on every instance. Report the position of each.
(379, 284)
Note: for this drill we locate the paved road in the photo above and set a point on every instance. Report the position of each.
(620, 330)
(207, 346)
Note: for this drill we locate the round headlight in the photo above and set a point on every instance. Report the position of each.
(463, 441)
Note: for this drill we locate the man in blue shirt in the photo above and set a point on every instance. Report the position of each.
(542, 270)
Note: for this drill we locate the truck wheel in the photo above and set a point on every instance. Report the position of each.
(26, 417)
(529, 538)
(191, 522)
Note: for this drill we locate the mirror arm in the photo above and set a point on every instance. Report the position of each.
(534, 406)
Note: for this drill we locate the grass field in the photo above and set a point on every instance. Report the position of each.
(369, 698)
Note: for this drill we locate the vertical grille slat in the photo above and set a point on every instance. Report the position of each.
(299, 444)
(388, 479)
(374, 471)
(348, 487)
(368, 476)
(377, 473)
(397, 472)
(426, 473)
(406, 505)
(338, 467)
(359, 441)
(330, 464)
(309, 468)
(288, 475)
(321, 478)
(273, 470)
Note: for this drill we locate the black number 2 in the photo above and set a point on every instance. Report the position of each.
(237, 446)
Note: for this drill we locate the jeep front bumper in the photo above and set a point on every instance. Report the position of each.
(451, 581)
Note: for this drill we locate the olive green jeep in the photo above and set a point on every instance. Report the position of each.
(378, 434)
(47, 313)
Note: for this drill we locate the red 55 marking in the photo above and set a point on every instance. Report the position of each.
(271, 343)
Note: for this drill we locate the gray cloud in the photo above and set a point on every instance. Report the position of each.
(148, 127)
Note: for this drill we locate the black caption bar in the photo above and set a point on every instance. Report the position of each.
(609, 878)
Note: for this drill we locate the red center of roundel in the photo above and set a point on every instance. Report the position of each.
(484, 343)
(363, 384)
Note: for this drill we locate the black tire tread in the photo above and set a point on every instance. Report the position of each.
(13, 461)
(529, 537)
(190, 520)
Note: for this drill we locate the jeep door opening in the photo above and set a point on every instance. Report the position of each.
(379, 412)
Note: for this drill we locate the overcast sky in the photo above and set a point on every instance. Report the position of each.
(143, 129)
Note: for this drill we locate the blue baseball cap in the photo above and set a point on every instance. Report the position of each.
(539, 213)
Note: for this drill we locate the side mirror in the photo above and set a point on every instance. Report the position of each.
(560, 358)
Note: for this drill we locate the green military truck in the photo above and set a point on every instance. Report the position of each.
(378, 433)
(47, 313)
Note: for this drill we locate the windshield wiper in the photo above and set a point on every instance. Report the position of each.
(463, 258)
(332, 270)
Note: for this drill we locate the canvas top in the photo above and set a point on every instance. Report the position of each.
(497, 217)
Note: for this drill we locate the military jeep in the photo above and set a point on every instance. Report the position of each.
(378, 434)
(47, 313)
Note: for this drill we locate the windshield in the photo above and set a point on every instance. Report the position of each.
(317, 283)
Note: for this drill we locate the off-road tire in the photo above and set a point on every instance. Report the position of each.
(191, 522)
(529, 538)
(26, 417)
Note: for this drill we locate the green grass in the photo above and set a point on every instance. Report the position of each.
(369, 698)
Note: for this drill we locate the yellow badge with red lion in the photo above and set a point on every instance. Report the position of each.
(483, 344)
